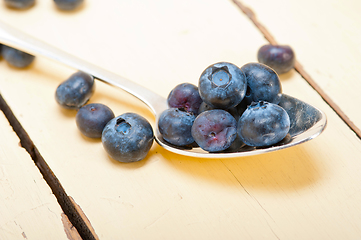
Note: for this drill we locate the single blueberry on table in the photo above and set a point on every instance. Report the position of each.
(186, 96)
(214, 130)
(68, 5)
(19, 4)
(92, 118)
(16, 58)
(128, 137)
(280, 58)
(222, 85)
(263, 83)
(263, 124)
(175, 125)
(75, 91)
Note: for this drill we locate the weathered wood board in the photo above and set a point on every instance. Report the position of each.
(27, 207)
(311, 191)
(326, 38)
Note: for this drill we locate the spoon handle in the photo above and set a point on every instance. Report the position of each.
(24, 42)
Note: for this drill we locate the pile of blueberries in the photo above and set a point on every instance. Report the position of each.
(229, 108)
(65, 5)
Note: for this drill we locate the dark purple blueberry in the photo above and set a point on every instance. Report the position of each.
(222, 85)
(185, 96)
(75, 91)
(263, 124)
(263, 83)
(128, 137)
(68, 5)
(233, 110)
(16, 58)
(280, 58)
(214, 130)
(92, 118)
(19, 4)
(175, 126)
(241, 107)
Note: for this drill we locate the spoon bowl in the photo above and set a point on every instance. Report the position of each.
(307, 122)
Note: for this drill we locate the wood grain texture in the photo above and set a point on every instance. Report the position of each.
(326, 40)
(27, 207)
(300, 69)
(70, 208)
(311, 191)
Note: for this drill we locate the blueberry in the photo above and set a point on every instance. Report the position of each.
(233, 110)
(204, 107)
(128, 137)
(222, 85)
(280, 58)
(92, 118)
(19, 4)
(186, 96)
(175, 126)
(263, 83)
(68, 5)
(75, 91)
(263, 124)
(241, 107)
(214, 130)
(16, 58)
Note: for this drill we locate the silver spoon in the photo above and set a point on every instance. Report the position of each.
(307, 122)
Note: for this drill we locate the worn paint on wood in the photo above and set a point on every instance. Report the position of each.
(326, 38)
(311, 191)
(28, 208)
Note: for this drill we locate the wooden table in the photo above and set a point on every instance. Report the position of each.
(310, 191)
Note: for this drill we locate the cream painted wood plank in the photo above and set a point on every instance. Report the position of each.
(311, 191)
(28, 209)
(326, 38)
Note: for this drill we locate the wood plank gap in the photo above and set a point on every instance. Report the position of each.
(298, 67)
(66, 203)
